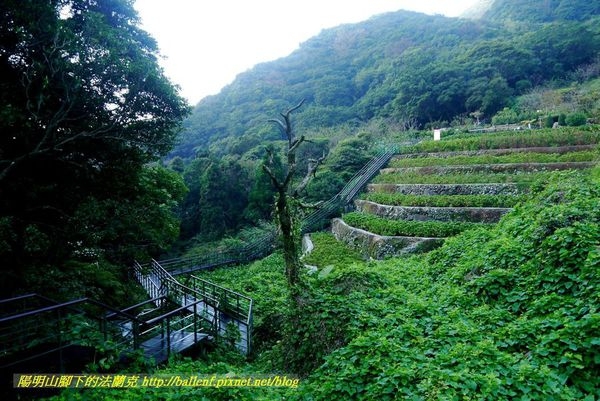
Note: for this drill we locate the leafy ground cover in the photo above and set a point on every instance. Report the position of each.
(520, 157)
(264, 282)
(329, 251)
(443, 200)
(516, 139)
(383, 226)
(412, 177)
(509, 312)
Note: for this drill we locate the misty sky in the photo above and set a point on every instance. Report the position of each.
(205, 44)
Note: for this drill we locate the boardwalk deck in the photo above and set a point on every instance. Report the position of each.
(160, 347)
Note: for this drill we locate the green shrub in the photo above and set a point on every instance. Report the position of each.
(505, 116)
(562, 118)
(576, 119)
(324, 185)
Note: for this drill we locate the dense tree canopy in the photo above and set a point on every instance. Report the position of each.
(83, 106)
(543, 11)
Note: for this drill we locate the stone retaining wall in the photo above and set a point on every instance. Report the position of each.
(379, 246)
(447, 189)
(307, 245)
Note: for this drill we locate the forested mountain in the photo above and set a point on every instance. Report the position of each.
(413, 68)
(543, 11)
(86, 113)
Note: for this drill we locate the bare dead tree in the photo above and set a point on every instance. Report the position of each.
(313, 165)
(287, 199)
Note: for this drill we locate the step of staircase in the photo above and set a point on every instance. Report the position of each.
(420, 213)
(178, 341)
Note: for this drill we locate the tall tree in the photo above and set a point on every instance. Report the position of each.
(262, 194)
(83, 106)
(211, 201)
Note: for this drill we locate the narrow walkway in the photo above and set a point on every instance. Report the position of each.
(160, 347)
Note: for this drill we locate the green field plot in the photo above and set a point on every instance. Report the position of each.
(382, 226)
(412, 177)
(517, 139)
(521, 157)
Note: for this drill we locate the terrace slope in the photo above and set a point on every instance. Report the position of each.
(430, 194)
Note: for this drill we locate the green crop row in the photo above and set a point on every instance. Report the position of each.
(384, 226)
(517, 139)
(443, 200)
(328, 251)
(412, 177)
(583, 156)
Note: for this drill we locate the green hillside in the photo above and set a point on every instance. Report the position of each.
(496, 313)
(414, 69)
(542, 11)
(375, 82)
(468, 269)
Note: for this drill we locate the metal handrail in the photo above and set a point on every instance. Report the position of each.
(21, 297)
(67, 305)
(240, 310)
(171, 313)
(153, 300)
(261, 246)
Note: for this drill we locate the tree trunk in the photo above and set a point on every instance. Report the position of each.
(285, 204)
(290, 243)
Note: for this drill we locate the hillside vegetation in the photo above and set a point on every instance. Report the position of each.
(501, 303)
(509, 312)
(542, 11)
(414, 69)
(382, 81)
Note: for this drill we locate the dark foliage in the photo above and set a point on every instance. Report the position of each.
(83, 106)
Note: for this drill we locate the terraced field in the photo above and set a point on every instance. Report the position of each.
(439, 189)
